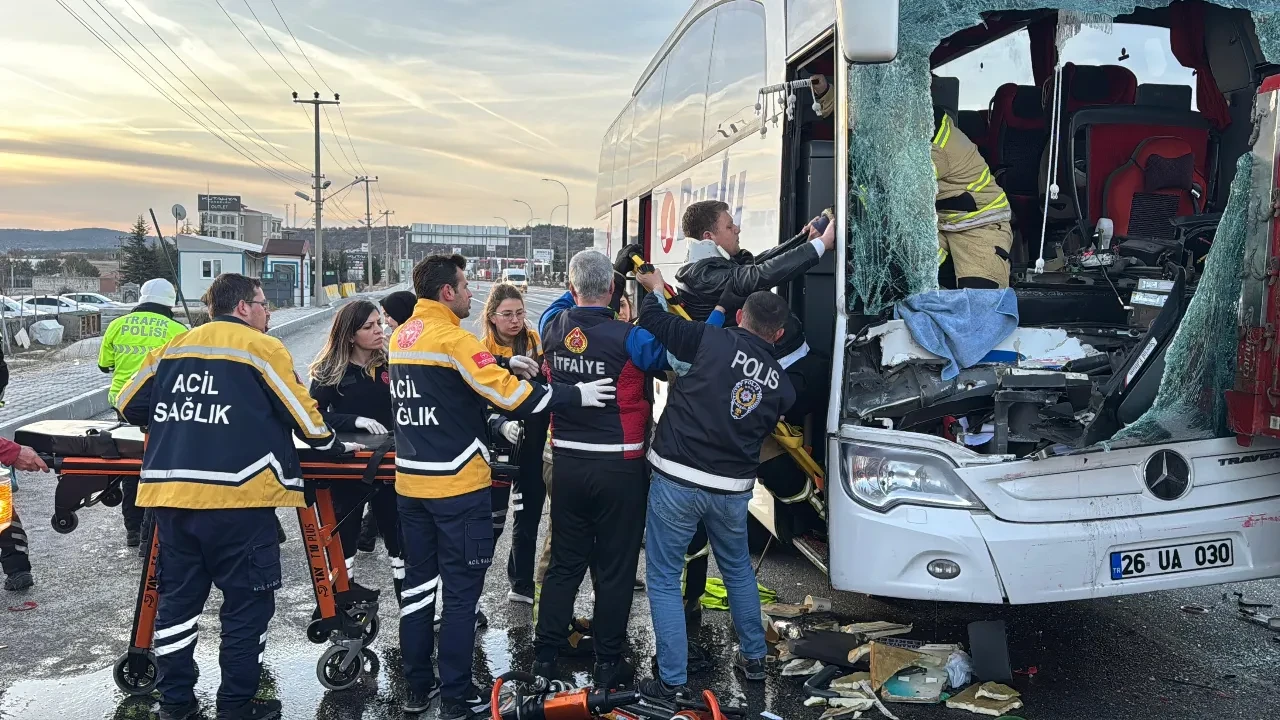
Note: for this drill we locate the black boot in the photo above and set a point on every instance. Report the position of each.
(255, 709)
(368, 541)
(613, 675)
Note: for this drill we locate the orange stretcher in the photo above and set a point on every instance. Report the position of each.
(91, 458)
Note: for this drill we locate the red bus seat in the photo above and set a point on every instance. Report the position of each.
(1160, 182)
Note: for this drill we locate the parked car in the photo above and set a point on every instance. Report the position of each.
(50, 303)
(94, 300)
(12, 307)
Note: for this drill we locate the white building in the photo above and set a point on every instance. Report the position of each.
(226, 218)
(203, 258)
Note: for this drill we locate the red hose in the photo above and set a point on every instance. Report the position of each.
(494, 712)
(712, 704)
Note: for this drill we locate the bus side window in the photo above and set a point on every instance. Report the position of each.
(737, 72)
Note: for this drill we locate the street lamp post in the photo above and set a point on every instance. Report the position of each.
(566, 221)
(550, 219)
(504, 222)
(528, 241)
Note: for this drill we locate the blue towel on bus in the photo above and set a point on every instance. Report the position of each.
(960, 326)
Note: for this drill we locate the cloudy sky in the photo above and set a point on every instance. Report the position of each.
(458, 106)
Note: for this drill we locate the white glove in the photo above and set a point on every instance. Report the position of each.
(511, 431)
(371, 426)
(524, 367)
(596, 392)
(348, 448)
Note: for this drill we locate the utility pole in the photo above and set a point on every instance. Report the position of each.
(566, 223)
(317, 260)
(386, 243)
(368, 227)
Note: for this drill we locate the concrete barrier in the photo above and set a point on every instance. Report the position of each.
(94, 402)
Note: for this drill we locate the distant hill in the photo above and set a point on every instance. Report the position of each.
(78, 239)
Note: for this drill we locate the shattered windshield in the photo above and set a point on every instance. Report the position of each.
(893, 225)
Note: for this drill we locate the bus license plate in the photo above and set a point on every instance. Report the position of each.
(1171, 559)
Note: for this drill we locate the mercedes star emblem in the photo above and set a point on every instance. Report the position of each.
(1167, 475)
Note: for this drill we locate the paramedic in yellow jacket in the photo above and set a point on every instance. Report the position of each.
(974, 229)
(443, 380)
(222, 405)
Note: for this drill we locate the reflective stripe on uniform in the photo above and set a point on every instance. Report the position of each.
(434, 358)
(944, 132)
(455, 464)
(698, 477)
(226, 478)
(596, 447)
(428, 589)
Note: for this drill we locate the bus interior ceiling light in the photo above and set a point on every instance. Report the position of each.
(893, 225)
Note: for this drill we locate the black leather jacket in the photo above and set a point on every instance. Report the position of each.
(703, 281)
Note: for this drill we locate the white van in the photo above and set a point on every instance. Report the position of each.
(1091, 456)
(516, 276)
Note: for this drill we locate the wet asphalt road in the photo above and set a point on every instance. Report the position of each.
(1125, 658)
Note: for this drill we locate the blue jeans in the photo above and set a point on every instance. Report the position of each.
(674, 513)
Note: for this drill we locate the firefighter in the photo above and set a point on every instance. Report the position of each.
(974, 230)
(222, 404)
(443, 380)
(14, 559)
(704, 456)
(973, 212)
(600, 476)
(125, 345)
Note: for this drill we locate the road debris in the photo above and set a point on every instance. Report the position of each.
(1257, 618)
(802, 667)
(28, 605)
(1242, 601)
(1195, 609)
(989, 648)
(959, 669)
(997, 692)
(970, 700)
(876, 630)
(811, 605)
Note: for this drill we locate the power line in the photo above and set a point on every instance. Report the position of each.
(324, 82)
(161, 76)
(265, 143)
(299, 46)
(347, 167)
(273, 43)
(310, 122)
(255, 48)
(143, 76)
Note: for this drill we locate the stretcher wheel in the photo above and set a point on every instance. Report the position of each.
(135, 683)
(64, 524)
(371, 630)
(111, 498)
(317, 632)
(331, 673)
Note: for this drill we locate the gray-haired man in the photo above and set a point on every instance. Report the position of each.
(600, 474)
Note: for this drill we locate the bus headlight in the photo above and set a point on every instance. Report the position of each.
(882, 478)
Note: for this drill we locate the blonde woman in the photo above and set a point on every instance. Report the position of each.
(505, 333)
(351, 385)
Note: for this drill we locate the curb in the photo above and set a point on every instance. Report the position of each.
(94, 402)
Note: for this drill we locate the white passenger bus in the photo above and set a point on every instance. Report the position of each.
(1059, 467)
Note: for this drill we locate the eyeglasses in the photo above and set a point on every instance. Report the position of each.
(510, 315)
(263, 303)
